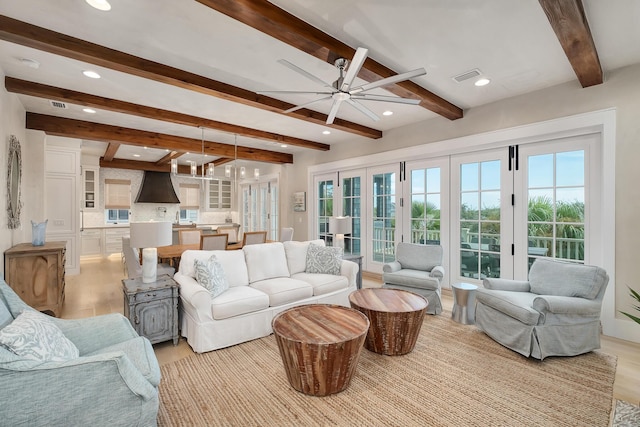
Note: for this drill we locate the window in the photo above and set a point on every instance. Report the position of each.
(117, 200)
(189, 202)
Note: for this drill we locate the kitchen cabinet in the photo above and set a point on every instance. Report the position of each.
(91, 241)
(90, 188)
(113, 240)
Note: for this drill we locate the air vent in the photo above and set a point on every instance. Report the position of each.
(467, 75)
(58, 104)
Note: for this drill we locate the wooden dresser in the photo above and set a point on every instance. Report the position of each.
(36, 274)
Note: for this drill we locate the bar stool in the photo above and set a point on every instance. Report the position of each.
(464, 303)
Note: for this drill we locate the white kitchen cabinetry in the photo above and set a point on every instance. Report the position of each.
(90, 188)
(91, 242)
(219, 195)
(113, 240)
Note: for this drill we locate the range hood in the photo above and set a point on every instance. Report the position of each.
(157, 188)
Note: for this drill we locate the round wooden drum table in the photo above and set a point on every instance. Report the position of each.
(395, 317)
(320, 346)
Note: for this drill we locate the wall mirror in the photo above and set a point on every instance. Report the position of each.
(14, 175)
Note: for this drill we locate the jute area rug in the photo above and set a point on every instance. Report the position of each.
(456, 376)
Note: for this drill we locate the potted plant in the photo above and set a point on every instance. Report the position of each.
(635, 296)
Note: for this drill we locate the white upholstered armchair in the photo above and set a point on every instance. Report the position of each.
(555, 313)
(418, 269)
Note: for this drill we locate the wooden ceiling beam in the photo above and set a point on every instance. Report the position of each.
(222, 161)
(568, 20)
(79, 98)
(111, 151)
(100, 132)
(270, 19)
(29, 35)
(142, 166)
(167, 159)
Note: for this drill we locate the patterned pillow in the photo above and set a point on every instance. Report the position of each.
(323, 259)
(34, 336)
(211, 276)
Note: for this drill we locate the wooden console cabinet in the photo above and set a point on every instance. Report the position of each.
(36, 274)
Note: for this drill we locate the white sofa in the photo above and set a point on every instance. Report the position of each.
(265, 279)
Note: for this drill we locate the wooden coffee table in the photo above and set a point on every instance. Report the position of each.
(395, 317)
(320, 345)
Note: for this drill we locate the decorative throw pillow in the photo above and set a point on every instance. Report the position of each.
(34, 336)
(323, 259)
(211, 276)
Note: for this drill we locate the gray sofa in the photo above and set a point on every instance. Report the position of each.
(418, 269)
(555, 313)
(113, 382)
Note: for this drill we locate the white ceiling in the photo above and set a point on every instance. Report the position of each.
(511, 42)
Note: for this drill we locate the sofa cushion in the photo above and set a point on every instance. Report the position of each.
(211, 276)
(5, 315)
(419, 257)
(323, 283)
(232, 263)
(34, 336)
(413, 278)
(265, 261)
(238, 300)
(518, 305)
(140, 353)
(550, 277)
(297, 254)
(324, 260)
(283, 290)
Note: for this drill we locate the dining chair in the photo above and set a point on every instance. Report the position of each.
(231, 230)
(254, 237)
(189, 237)
(214, 242)
(286, 234)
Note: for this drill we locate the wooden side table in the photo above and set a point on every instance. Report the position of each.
(36, 274)
(320, 345)
(152, 308)
(395, 317)
(357, 258)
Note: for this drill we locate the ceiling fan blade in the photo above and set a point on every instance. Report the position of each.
(296, 92)
(298, 107)
(303, 72)
(334, 110)
(389, 80)
(354, 68)
(396, 99)
(358, 106)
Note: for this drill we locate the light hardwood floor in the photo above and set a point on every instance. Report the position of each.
(98, 290)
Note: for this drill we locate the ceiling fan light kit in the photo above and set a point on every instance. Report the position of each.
(341, 90)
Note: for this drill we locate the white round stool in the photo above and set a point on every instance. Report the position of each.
(464, 303)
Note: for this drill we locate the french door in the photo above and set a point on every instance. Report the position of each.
(260, 208)
(384, 226)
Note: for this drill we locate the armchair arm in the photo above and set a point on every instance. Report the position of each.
(391, 267)
(506, 285)
(349, 269)
(93, 333)
(195, 298)
(567, 305)
(112, 368)
(437, 272)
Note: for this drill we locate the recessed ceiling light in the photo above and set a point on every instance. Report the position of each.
(482, 81)
(326, 132)
(32, 63)
(89, 110)
(387, 113)
(166, 150)
(100, 4)
(146, 148)
(136, 155)
(283, 145)
(91, 74)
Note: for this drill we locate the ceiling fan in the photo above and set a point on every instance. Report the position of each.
(341, 90)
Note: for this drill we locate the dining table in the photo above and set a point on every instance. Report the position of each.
(172, 253)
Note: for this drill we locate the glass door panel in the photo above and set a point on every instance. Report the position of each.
(352, 207)
(482, 185)
(385, 232)
(324, 188)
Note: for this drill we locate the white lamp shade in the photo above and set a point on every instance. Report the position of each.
(151, 234)
(340, 225)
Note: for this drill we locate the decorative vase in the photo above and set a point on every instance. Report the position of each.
(38, 232)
